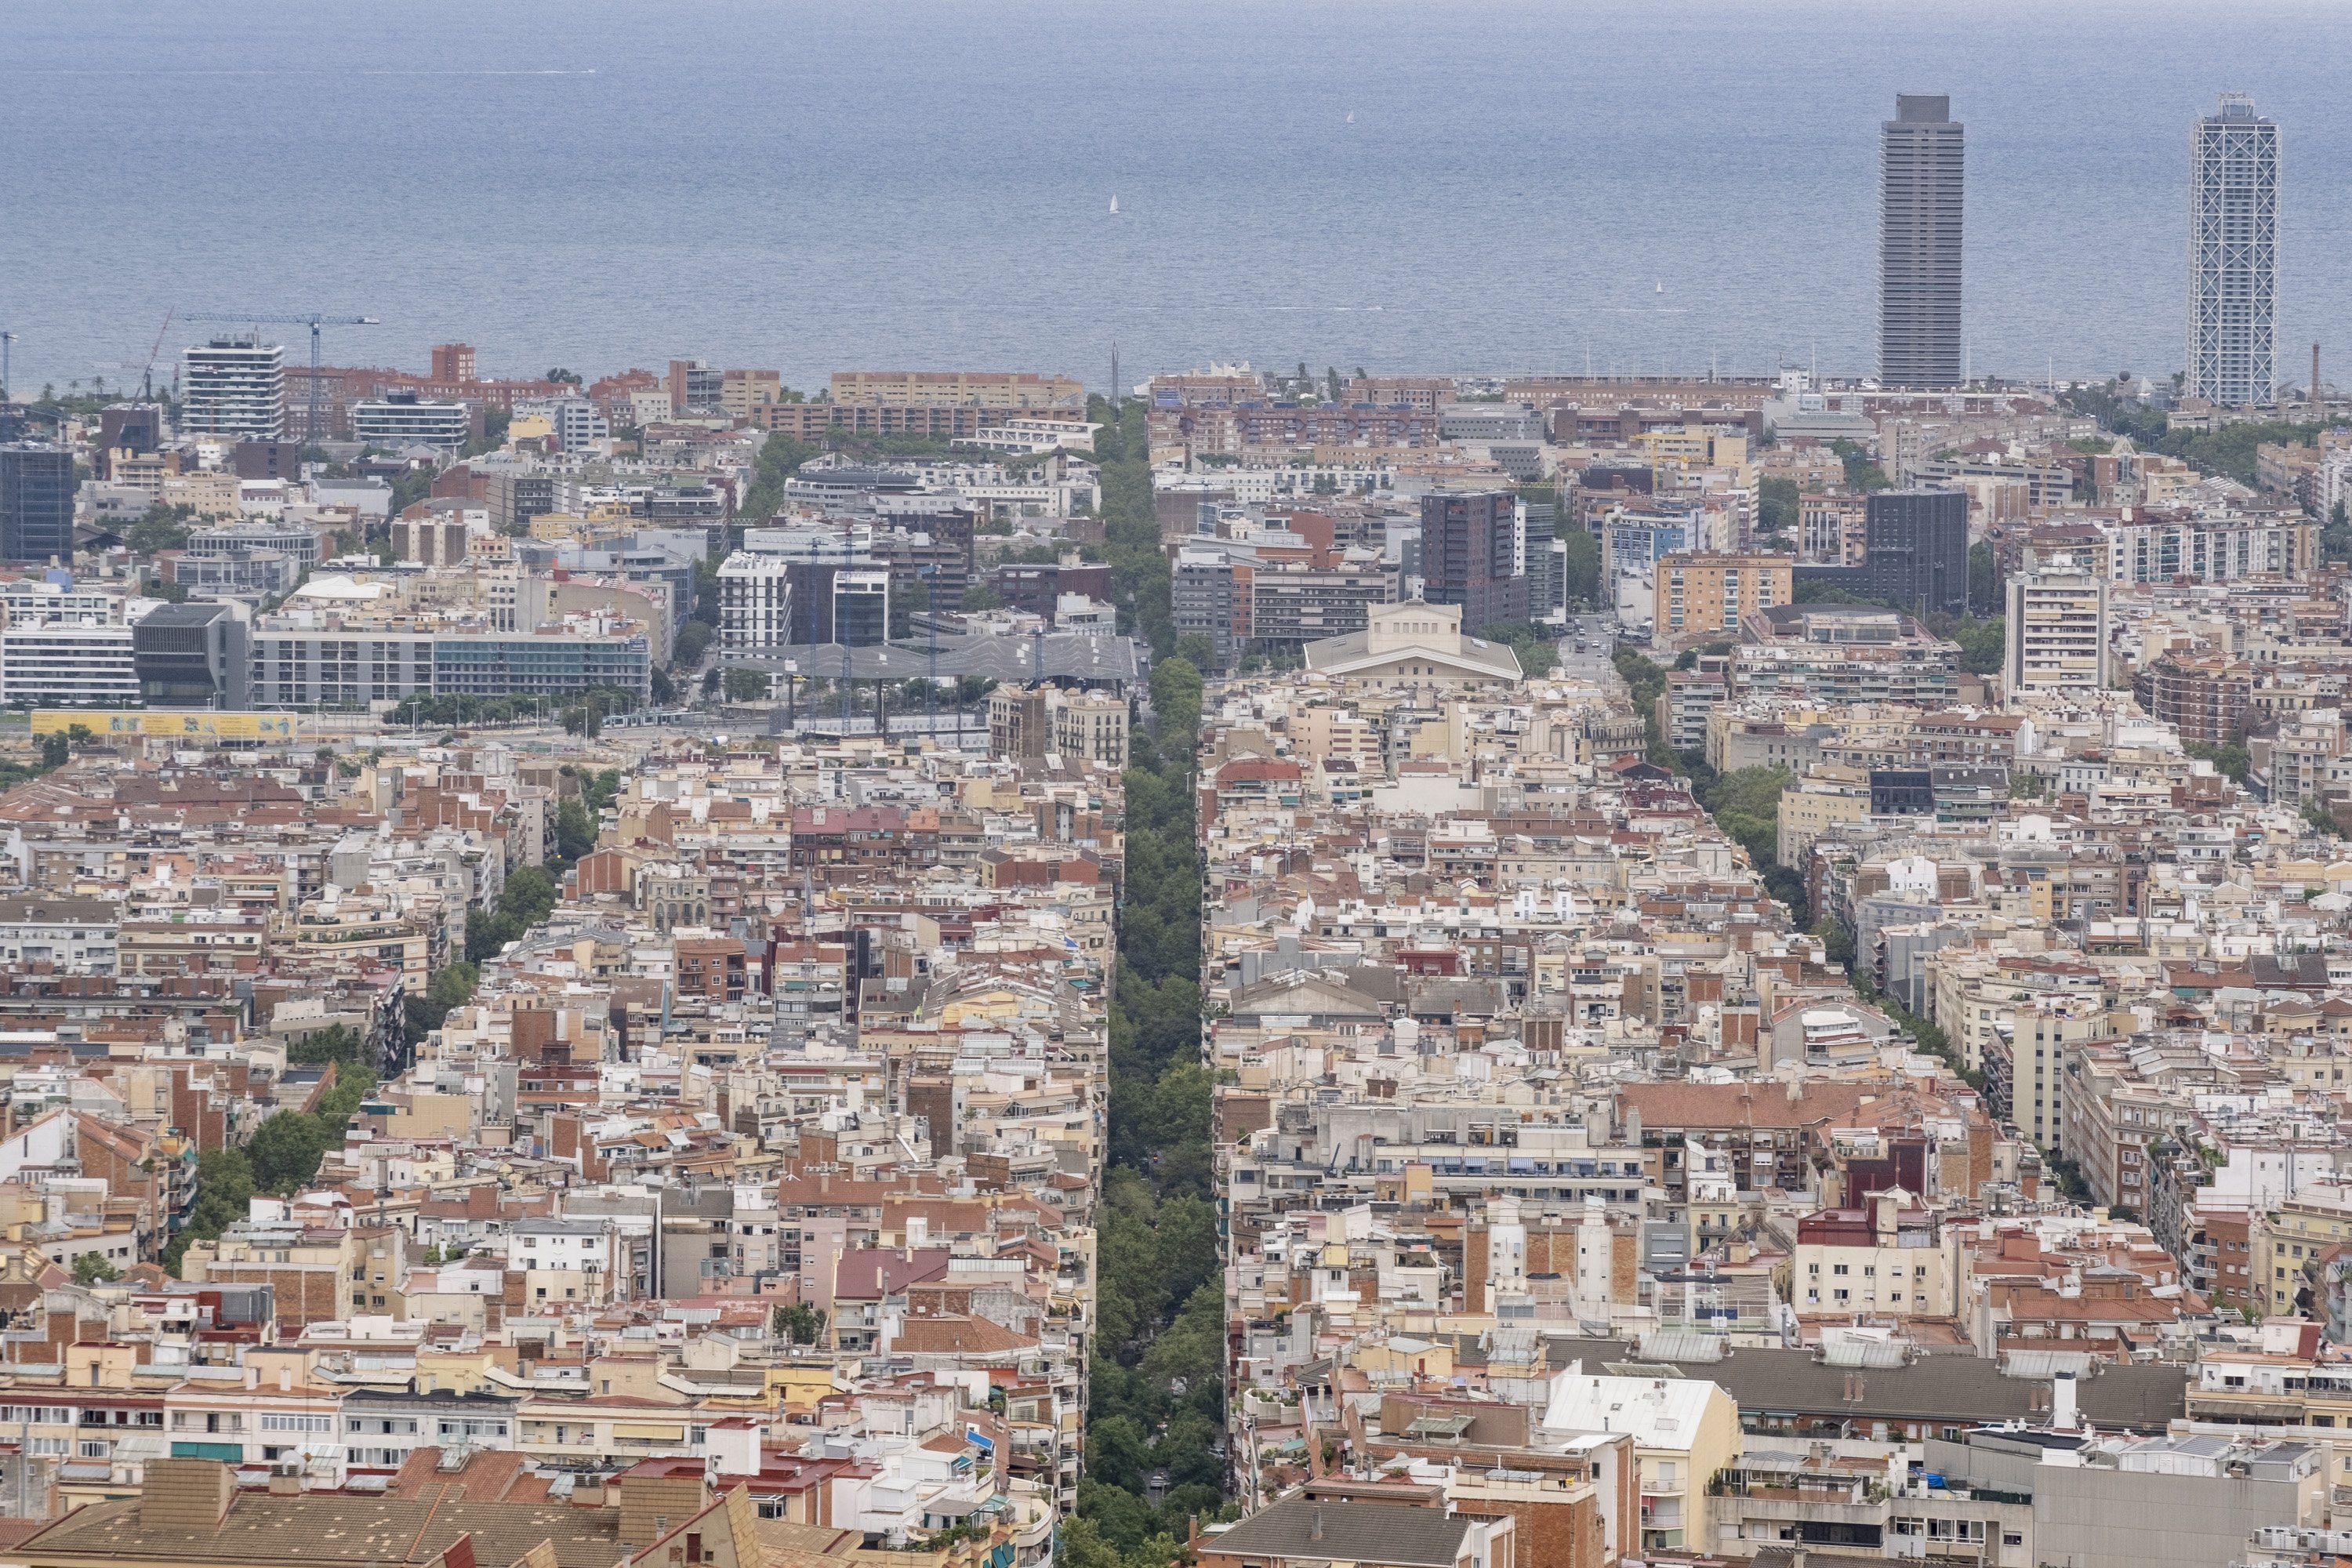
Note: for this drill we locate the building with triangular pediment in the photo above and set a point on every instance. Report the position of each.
(1414, 643)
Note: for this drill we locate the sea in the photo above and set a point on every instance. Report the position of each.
(1435, 186)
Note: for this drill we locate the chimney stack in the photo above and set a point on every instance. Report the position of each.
(186, 1494)
(1315, 1531)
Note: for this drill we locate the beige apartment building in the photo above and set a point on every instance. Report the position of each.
(1092, 725)
(741, 391)
(2057, 632)
(1888, 1257)
(1707, 595)
(2292, 1235)
(1829, 794)
(937, 388)
(1320, 732)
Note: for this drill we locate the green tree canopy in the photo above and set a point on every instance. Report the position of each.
(286, 1150)
(337, 1043)
(1983, 644)
(1537, 647)
(1777, 505)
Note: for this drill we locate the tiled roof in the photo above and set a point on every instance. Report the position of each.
(263, 1529)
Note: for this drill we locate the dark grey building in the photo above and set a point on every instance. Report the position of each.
(1470, 556)
(1916, 550)
(515, 498)
(1201, 603)
(131, 427)
(192, 656)
(1902, 792)
(816, 597)
(36, 503)
(1915, 553)
(1919, 167)
(1546, 563)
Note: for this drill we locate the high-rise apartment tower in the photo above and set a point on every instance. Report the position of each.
(1470, 556)
(2057, 630)
(1919, 169)
(2233, 186)
(234, 386)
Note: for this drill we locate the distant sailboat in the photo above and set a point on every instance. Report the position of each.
(1114, 204)
(1351, 117)
(1662, 286)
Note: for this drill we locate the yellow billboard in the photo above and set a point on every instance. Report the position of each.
(183, 726)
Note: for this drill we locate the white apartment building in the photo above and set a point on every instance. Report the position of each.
(578, 423)
(79, 663)
(755, 603)
(74, 936)
(234, 387)
(296, 665)
(1088, 617)
(31, 601)
(2148, 545)
(402, 420)
(1032, 435)
(2309, 759)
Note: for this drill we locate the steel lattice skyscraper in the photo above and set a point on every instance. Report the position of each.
(2233, 186)
(1920, 170)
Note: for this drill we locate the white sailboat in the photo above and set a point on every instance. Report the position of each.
(1114, 206)
(1351, 117)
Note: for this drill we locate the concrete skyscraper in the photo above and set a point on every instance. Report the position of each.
(2233, 185)
(1919, 169)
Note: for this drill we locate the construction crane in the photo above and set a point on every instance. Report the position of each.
(313, 319)
(147, 376)
(146, 370)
